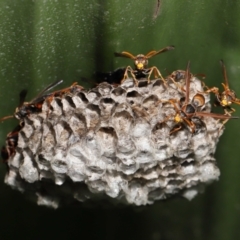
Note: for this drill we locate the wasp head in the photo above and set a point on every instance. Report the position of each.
(140, 62)
(227, 99)
(178, 118)
(20, 112)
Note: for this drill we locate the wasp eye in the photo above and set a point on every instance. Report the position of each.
(198, 100)
(145, 62)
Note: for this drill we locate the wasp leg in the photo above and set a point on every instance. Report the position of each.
(190, 124)
(228, 113)
(134, 78)
(174, 82)
(204, 85)
(176, 128)
(214, 90)
(223, 123)
(125, 76)
(161, 101)
(156, 74)
(5, 118)
(165, 120)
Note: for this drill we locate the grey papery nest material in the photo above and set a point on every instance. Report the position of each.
(114, 142)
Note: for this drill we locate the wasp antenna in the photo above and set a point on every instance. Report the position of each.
(5, 118)
(221, 62)
(224, 73)
(125, 54)
(171, 47)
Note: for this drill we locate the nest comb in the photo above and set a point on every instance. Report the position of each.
(114, 142)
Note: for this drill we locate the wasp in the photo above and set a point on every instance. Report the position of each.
(140, 65)
(189, 113)
(228, 96)
(34, 106)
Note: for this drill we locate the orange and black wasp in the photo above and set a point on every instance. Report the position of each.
(34, 106)
(189, 113)
(140, 65)
(228, 96)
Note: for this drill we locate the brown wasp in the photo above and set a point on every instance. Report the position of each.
(34, 106)
(189, 113)
(228, 96)
(140, 65)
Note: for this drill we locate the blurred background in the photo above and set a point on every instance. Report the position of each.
(42, 41)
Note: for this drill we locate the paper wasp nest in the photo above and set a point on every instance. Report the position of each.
(115, 143)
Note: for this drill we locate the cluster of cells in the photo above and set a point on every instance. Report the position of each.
(136, 137)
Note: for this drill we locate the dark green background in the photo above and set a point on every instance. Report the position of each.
(42, 41)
